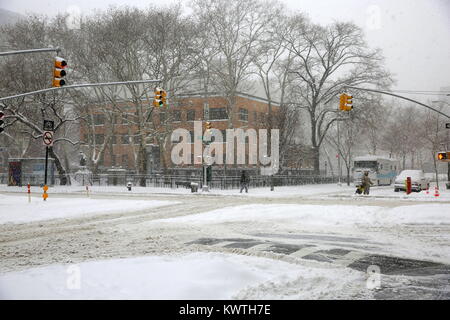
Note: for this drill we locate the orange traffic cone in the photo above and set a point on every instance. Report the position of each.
(436, 192)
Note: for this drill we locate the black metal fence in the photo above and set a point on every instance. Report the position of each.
(217, 182)
(175, 181)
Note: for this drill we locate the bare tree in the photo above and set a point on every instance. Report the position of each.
(402, 136)
(24, 73)
(129, 44)
(327, 59)
(234, 29)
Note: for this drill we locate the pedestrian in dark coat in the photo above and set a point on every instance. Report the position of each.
(366, 182)
(244, 181)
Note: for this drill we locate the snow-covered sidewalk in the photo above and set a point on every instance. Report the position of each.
(189, 276)
(315, 191)
(15, 209)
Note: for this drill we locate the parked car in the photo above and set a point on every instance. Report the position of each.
(418, 180)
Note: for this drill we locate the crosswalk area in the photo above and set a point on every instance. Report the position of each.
(430, 278)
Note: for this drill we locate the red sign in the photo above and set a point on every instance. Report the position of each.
(48, 138)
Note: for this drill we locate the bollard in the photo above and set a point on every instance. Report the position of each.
(408, 185)
(129, 186)
(45, 195)
(87, 190)
(29, 192)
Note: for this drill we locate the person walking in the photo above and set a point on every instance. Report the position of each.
(244, 181)
(366, 182)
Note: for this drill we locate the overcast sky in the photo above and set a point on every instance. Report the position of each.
(413, 34)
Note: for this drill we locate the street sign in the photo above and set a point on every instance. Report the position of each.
(48, 138)
(447, 125)
(49, 125)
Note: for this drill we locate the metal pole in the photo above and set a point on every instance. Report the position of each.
(46, 166)
(339, 156)
(8, 53)
(78, 86)
(398, 96)
(448, 163)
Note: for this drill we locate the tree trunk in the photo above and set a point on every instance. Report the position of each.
(316, 163)
(142, 165)
(348, 175)
(59, 167)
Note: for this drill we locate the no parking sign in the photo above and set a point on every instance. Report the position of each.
(48, 138)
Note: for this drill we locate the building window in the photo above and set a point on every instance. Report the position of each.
(113, 160)
(177, 115)
(116, 118)
(125, 139)
(255, 116)
(127, 118)
(243, 114)
(191, 115)
(137, 140)
(99, 119)
(125, 160)
(85, 138)
(99, 138)
(218, 114)
(113, 139)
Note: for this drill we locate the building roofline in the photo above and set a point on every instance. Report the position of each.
(202, 94)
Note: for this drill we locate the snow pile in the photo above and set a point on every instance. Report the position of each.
(322, 215)
(16, 209)
(191, 276)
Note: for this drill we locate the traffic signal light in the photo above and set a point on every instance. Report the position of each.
(208, 126)
(2, 122)
(345, 102)
(349, 103)
(444, 156)
(160, 98)
(59, 72)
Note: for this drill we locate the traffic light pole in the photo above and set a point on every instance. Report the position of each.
(85, 85)
(9, 53)
(46, 165)
(398, 96)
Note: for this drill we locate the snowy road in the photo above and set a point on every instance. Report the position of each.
(333, 236)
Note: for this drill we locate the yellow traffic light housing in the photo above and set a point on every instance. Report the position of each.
(345, 102)
(443, 156)
(349, 105)
(208, 125)
(59, 72)
(160, 98)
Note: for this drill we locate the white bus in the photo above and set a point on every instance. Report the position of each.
(382, 171)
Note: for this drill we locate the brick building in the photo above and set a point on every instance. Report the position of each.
(123, 138)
